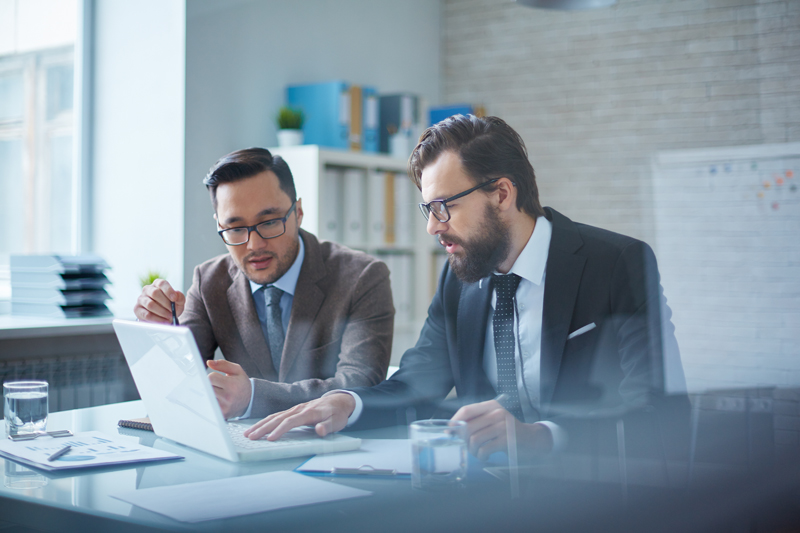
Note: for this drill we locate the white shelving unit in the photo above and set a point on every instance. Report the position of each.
(323, 177)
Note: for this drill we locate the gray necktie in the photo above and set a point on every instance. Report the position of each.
(274, 325)
(505, 343)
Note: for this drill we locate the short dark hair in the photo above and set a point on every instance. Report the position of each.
(488, 147)
(247, 163)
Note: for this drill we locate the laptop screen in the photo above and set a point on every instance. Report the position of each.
(172, 381)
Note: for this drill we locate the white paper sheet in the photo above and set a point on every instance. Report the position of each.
(380, 454)
(224, 498)
(89, 448)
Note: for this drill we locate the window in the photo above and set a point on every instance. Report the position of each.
(36, 152)
(37, 186)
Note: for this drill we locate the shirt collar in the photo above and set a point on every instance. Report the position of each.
(530, 264)
(287, 282)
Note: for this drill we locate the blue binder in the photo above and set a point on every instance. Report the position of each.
(326, 107)
(438, 114)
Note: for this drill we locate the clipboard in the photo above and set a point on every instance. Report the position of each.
(377, 458)
(362, 472)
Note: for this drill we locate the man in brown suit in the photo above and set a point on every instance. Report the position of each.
(293, 317)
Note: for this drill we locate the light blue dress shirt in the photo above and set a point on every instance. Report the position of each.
(287, 283)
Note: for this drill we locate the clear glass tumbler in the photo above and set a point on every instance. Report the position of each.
(25, 406)
(439, 454)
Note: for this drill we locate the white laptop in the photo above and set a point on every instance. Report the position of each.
(173, 383)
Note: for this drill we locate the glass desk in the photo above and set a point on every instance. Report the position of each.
(554, 494)
(80, 501)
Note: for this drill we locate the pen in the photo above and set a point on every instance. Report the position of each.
(59, 453)
(174, 316)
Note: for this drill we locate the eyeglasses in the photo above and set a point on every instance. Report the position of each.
(269, 229)
(439, 207)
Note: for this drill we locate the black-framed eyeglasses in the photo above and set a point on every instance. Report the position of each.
(439, 207)
(269, 229)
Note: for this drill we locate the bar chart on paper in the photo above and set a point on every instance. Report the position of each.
(87, 449)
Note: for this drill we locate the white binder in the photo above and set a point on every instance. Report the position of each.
(330, 205)
(401, 275)
(376, 208)
(405, 208)
(354, 231)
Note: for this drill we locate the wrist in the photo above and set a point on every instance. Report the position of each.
(345, 402)
(535, 438)
(349, 407)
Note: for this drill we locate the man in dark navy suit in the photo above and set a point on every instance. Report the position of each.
(538, 321)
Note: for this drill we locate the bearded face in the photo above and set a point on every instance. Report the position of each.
(482, 252)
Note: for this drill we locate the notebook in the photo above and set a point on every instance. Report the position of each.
(142, 424)
(171, 377)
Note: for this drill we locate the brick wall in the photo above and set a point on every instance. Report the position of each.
(598, 94)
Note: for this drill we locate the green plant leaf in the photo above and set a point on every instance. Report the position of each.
(290, 118)
(150, 277)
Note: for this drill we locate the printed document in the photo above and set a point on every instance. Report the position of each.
(87, 449)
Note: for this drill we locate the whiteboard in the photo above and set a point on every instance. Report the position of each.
(727, 238)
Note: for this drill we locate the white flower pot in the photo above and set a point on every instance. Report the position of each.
(290, 137)
(400, 145)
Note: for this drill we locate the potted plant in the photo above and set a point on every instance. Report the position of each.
(150, 277)
(290, 124)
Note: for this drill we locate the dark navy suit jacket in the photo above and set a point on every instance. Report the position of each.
(592, 276)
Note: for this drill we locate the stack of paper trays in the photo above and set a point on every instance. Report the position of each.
(59, 286)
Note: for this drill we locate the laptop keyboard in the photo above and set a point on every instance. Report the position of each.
(292, 439)
(295, 443)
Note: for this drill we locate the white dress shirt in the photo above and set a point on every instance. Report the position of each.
(530, 267)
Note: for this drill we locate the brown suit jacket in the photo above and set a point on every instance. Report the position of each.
(339, 333)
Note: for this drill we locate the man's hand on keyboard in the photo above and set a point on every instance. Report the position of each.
(328, 414)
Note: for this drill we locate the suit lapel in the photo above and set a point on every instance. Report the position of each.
(308, 298)
(473, 312)
(240, 301)
(562, 279)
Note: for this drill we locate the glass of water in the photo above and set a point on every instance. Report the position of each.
(25, 406)
(439, 453)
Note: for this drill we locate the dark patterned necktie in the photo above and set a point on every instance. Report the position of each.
(505, 342)
(274, 325)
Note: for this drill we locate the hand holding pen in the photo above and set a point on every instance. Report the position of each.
(174, 316)
(159, 302)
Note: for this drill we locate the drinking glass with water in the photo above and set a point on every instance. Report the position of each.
(439, 453)
(25, 406)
